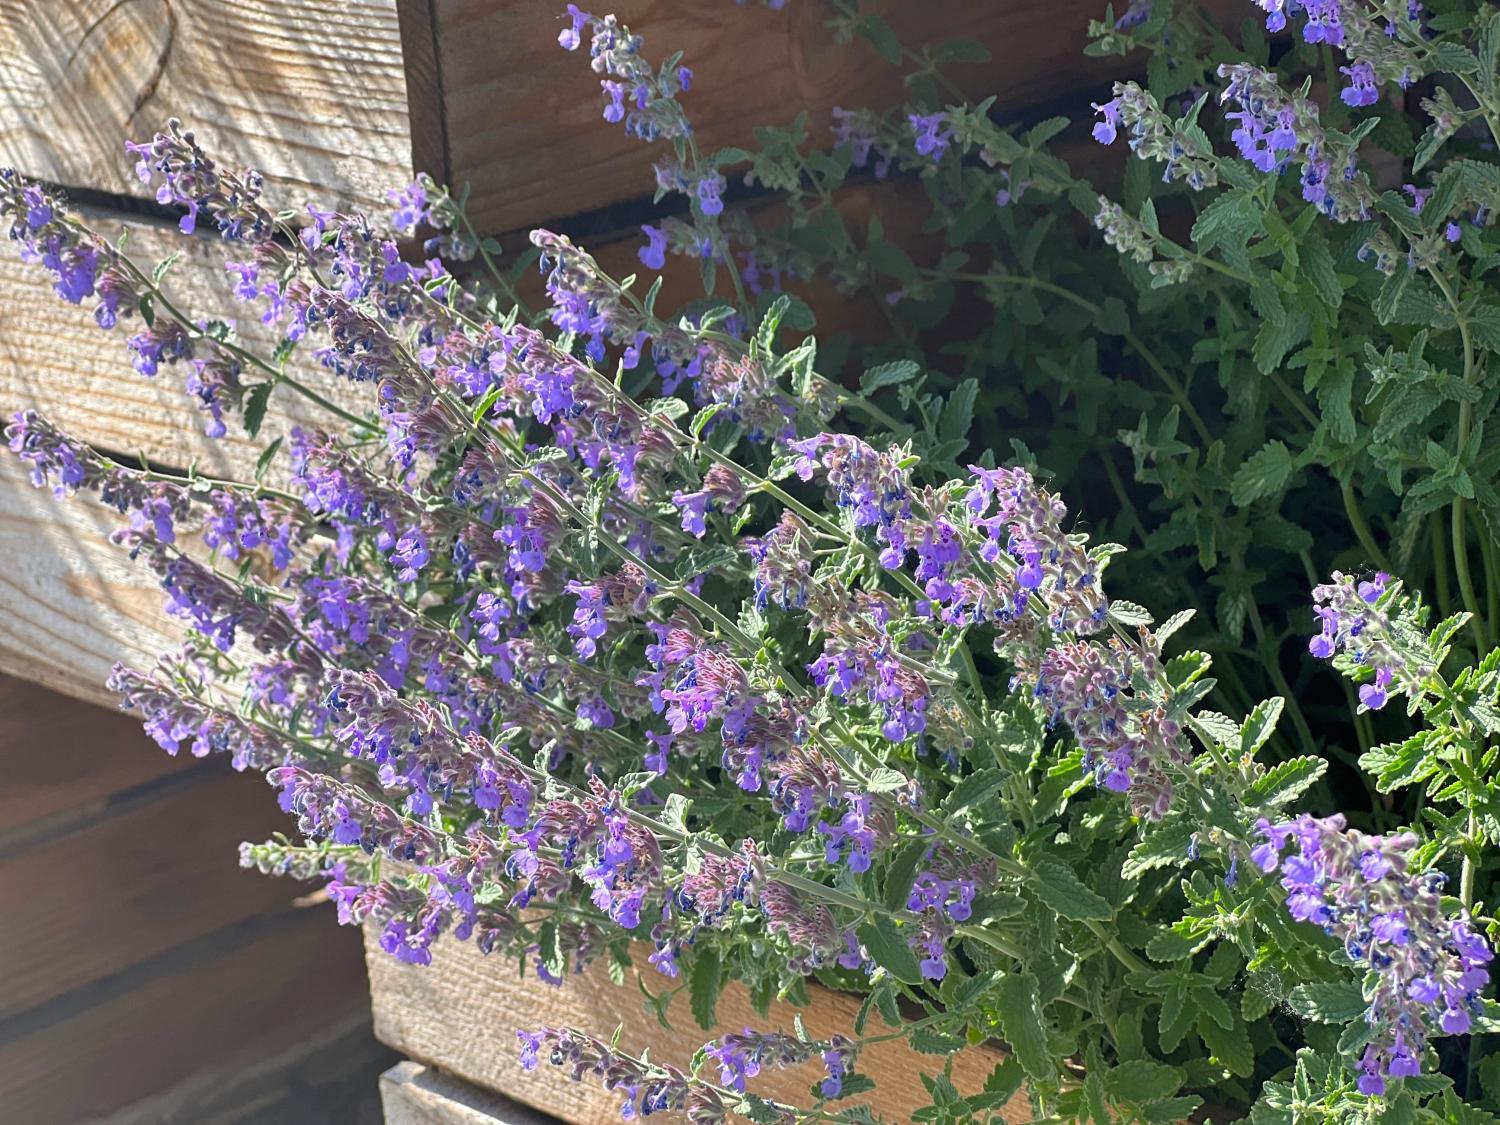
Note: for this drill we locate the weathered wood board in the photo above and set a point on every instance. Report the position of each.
(150, 979)
(131, 872)
(311, 94)
(56, 360)
(413, 1094)
(461, 1014)
(168, 1021)
(518, 112)
(71, 603)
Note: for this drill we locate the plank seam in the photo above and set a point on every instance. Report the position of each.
(77, 1001)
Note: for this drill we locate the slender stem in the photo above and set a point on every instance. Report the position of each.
(1465, 423)
(1361, 527)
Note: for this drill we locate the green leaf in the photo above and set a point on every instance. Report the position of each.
(972, 790)
(1060, 889)
(1395, 765)
(888, 374)
(1142, 1081)
(1286, 781)
(1128, 613)
(881, 37)
(1230, 221)
(889, 950)
(704, 416)
(1260, 724)
(1276, 338)
(704, 985)
(263, 462)
(1328, 1002)
(1231, 1046)
(1164, 846)
(255, 407)
(1264, 472)
(885, 780)
(1019, 1008)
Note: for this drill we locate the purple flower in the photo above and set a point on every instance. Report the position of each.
(1362, 89)
(654, 254)
(708, 191)
(1108, 128)
(1352, 622)
(1429, 967)
(931, 138)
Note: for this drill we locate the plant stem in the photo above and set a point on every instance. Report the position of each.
(1361, 527)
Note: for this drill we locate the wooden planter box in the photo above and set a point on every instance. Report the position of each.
(460, 1015)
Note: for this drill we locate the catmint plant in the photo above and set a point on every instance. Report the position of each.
(601, 627)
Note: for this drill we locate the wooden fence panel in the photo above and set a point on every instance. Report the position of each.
(413, 1094)
(55, 359)
(461, 1013)
(311, 94)
(522, 120)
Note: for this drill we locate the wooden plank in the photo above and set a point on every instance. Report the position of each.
(61, 758)
(55, 359)
(162, 873)
(215, 1008)
(329, 1074)
(311, 94)
(413, 1094)
(73, 603)
(461, 1014)
(522, 115)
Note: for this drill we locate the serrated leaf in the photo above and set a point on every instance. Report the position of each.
(1264, 472)
(1164, 846)
(898, 877)
(1143, 1081)
(1018, 1007)
(704, 987)
(1260, 724)
(885, 780)
(1328, 1001)
(1231, 1046)
(1286, 781)
(974, 789)
(1395, 765)
(1060, 889)
(1129, 613)
(889, 950)
(888, 374)
(255, 407)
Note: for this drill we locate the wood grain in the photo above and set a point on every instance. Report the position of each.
(66, 758)
(132, 873)
(73, 604)
(413, 1094)
(523, 116)
(216, 1007)
(312, 94)
(55, 359)
(461, 1014)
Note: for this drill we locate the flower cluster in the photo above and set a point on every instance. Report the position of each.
(1428, 967)
(553, 666)
(1352, 621)
(1274, 129)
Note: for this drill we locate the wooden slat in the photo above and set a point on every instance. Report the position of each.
(73, 604)
(310, 93)
(523, 118)
(220, 1006)
(413, 1094)
(62, 758)
(461, 1014)
(55, 359)
(171, 859)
